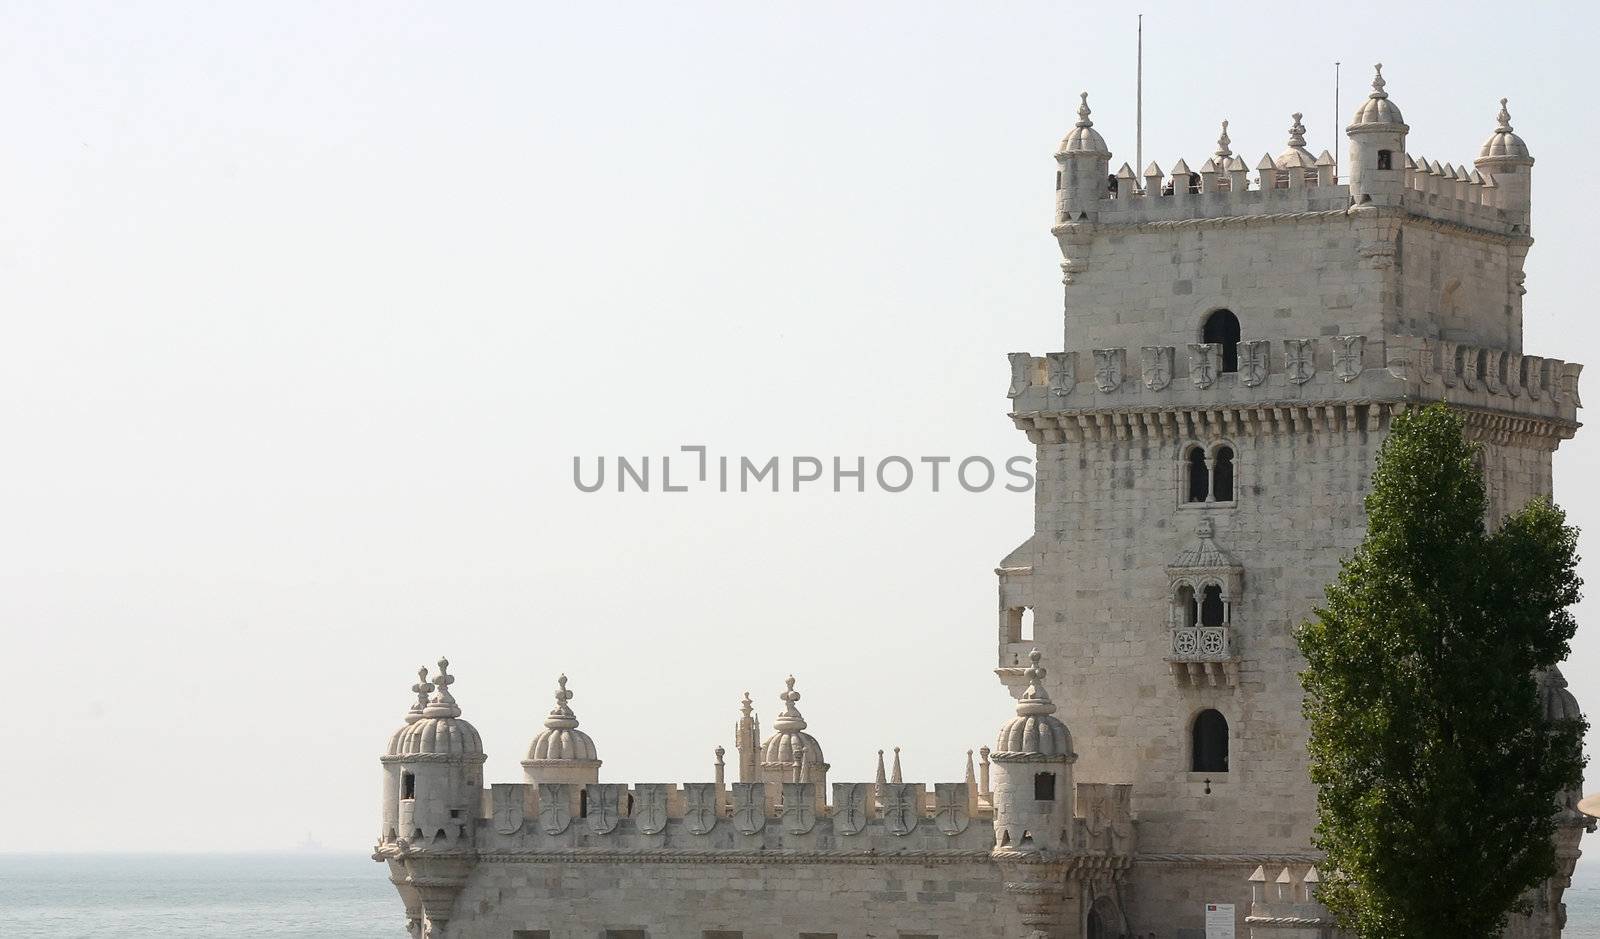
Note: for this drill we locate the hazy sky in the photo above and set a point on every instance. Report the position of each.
(308, 307)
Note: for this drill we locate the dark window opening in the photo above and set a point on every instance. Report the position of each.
(1222, 475)
(1097, 929)
(1222, 327)
(1211, 611)
(455, 813)
(1385, 159)
(530, 934)
(1044, 787)
(408, 786)
(1199, 484)
(1194, 182)
(1210, 750)
(1058, 180)
(1111, 185)
(1188, 604)
(583, 803)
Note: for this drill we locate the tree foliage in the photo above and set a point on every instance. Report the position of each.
(1437, 770)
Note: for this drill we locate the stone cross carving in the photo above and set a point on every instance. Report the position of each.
(850, 801)
(1108, 369)
(507, 801)
(1347, 356)
(1203, 365)
(1062, 367)
(799, 807)
(650, 807)
(700, 807)
(603, 809)
(1253, 356)
(900, 807)
(1299, 359)
(1155, 366)
(1021, 365)
(555, 808)
(749, 806)
(950, 813)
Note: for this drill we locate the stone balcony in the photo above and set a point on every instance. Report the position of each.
(1204, 656)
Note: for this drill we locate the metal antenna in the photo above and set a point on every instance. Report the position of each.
(1138, 105)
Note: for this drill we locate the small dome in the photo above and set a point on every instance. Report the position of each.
(1083, 138)
(790, 741)
(1377, 108)
(1297, 156)
(1504, 144)
(561, 740)
(434, 727)
(1035, 731)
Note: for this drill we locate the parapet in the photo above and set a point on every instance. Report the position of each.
(1287, 384)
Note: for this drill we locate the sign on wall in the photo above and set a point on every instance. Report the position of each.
(1219, 921)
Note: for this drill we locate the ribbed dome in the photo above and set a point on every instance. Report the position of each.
(1083, 138)
(1035, 731)
(1504, 144)
(1377, 108)
(789, 737)
(434, 726)
(561, 740)
(448, 736)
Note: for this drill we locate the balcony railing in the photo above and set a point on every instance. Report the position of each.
(1204, 655)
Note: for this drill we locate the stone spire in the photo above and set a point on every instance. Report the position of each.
(882, 778)
(422, 688)
(895, 775)
(1377, 108)
(1224, 142)
(971, 777)
(1083, 138)
(1297, 156)
(443, 703)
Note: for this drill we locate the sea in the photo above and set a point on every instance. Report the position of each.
(290, 896)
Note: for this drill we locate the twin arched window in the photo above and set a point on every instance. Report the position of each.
(1205, 608)
(1208, 751)
(1208, 478)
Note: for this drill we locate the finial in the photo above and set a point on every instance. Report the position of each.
(1505, 118)
(423, 688)
(881, 777)
(1083, 110)
(1297, 132)
(561, 716)
(972, 776)
(790, 720)
(895, 776)
(720, 752)
(1378, 82)
(443, 703)
(1035, 700)
(1205, 529)
(1223, 142)
(746, 706)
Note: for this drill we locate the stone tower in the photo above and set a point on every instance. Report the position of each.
(1236, 344)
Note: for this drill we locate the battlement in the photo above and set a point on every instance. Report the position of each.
(1538, 394)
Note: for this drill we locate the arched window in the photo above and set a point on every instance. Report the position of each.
(1222, 475)
(1209, 753)
(1199, 483)
(1188, 606)
(1096, 927)
(1223, 327)
(1212, 612)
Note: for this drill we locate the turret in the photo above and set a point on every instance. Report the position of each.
(790, 754)
(1377, 148)
(562, 753)
(1505, 159)
(1032, 763)
(747, 740)
(433, 773)
(1084, 165)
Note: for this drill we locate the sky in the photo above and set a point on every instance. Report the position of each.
(307, 309)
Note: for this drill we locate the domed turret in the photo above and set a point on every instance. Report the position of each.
(1377, 136)
(432, 787)
(1032, 764)
(1084, 161)
(1505, 157)
(1296, 156)
(562, 753)
(790, 754)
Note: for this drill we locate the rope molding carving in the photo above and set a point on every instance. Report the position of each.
(675, 856)
(1253, 860)
(1287, 921)
(1405, 217)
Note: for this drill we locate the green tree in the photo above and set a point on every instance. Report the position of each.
(1436, 768)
